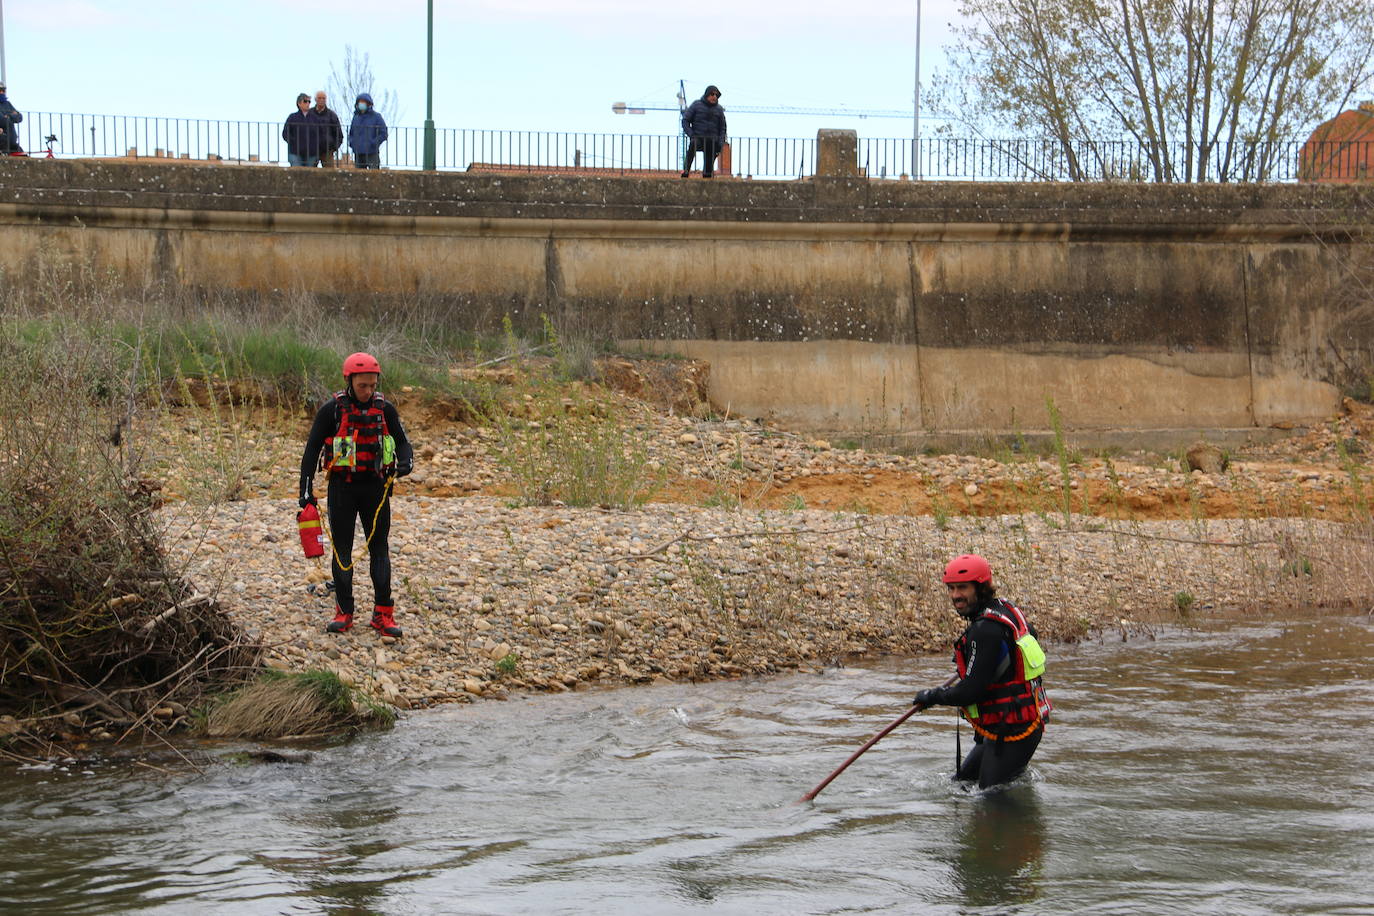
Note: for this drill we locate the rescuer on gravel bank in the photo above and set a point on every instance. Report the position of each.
(357, 440)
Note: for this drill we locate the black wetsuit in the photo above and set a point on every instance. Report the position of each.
(356, 495)
(991, 763)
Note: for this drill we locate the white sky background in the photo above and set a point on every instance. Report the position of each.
(539, 65)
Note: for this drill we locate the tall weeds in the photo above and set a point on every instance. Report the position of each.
(94, 616)
(558, 444)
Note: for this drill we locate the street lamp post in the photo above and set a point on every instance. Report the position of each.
(429, 163)
(916, 115)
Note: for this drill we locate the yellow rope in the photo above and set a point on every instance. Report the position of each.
(367, 545)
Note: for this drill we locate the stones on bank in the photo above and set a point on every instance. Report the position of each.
(497, 599)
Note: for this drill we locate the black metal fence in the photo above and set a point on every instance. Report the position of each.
(1117, 160)
(933, 159)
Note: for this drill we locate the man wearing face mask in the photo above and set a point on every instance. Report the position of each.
(999, 690)
(366, 133)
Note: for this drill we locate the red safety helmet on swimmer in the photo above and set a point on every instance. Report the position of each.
(968, 567)
(360, 362)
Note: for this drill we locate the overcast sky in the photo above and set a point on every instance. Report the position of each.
(553, 65)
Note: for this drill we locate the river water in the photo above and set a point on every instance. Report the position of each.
(1221, 772)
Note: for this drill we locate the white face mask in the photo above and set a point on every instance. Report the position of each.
(362, 106)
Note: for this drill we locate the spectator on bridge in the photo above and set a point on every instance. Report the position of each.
(331, 131)
(366, 133)
(704, 124)
(302, 135)
(9, 133)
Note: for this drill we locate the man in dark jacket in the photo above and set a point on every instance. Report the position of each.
(331, 131)
(704, 124)
(366, 133)
(9, 133)
(302, 135)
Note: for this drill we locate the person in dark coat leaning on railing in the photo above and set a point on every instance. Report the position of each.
(9, 117)
(704, 124)
(302, 135)
(366, 133)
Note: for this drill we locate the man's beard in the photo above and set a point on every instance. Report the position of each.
(971, 608)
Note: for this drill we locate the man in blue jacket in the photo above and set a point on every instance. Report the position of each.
(366, 133)
(9, 117)
(704, 124)
(302, 135)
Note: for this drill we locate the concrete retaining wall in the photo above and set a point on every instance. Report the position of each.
(842, 305)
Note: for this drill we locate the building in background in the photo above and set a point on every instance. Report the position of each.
(1341, 149)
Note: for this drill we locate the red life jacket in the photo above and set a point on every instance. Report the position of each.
(1011, 698)
(364, 428)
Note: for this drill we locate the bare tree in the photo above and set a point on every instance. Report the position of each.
(355, 78)
(1207, 90)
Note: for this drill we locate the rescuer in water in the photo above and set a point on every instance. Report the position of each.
(999, 690)
(358, 441)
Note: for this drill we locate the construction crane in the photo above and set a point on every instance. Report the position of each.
(624, 108)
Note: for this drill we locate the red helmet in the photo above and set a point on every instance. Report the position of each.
(360, 362)
(968, 567)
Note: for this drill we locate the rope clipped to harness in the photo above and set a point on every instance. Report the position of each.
(367, 544)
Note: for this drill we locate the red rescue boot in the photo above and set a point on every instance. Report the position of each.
(384, 622)
(340, 623)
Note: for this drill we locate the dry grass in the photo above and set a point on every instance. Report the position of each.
(308, 704)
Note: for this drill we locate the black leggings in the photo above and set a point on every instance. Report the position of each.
(993, 763)
(349, 500)
(709, 147)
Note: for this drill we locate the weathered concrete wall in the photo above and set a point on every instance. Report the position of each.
(839, 304)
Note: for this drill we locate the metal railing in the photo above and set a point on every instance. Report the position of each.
(1022, 160)
(89, 135)
(935, 159)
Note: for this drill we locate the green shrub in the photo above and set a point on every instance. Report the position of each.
(571, 449)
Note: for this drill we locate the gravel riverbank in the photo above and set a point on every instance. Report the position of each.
(496, 599)
(765, 549)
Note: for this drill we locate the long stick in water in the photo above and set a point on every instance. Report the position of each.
(869, 743)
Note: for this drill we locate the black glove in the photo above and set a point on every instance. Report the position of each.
(931, 696)
(403, 469)
(306, 500)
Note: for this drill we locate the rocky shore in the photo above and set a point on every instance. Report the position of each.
(767, 551)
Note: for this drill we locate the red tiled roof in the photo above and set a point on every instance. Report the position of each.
(1341, 150)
